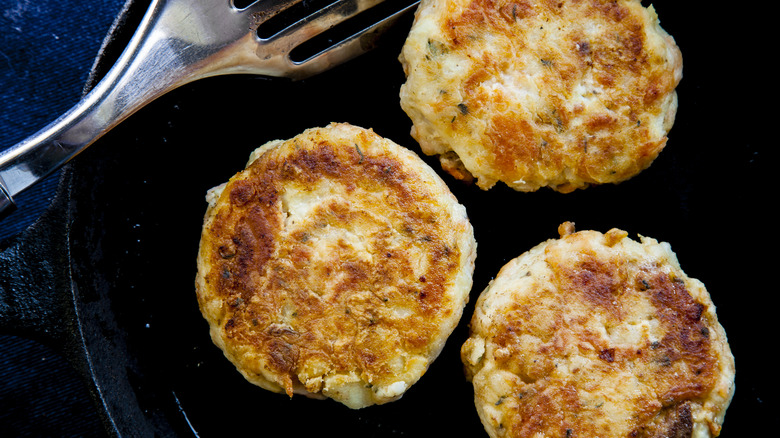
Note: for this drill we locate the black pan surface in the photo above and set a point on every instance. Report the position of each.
(132, 207)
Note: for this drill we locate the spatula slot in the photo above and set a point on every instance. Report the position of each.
(346, 29)
(289, 16)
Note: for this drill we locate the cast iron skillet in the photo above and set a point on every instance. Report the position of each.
(106, 276)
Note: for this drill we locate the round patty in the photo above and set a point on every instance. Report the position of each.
(559, 94)
(335, 265)
(598, 335)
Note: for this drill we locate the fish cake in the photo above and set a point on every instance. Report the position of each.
(539, 93)
(335, 265)
(598, 335)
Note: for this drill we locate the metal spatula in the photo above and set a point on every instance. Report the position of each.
(180, 41)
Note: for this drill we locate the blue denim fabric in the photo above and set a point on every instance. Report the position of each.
(47, 48)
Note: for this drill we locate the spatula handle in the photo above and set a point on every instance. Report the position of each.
(152, 64)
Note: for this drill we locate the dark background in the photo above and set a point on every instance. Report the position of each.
(47, 49)
(709, 194)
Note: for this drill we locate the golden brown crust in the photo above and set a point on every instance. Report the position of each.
(598, 335)
(541, 93)
(336, 264)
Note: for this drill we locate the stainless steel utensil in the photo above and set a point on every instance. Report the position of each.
(180, 41)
